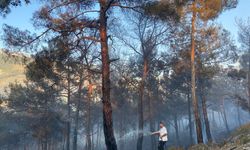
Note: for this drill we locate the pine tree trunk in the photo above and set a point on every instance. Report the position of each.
(140, 124)
(224, 116)
(151, 124)
(92, 138)
(98, 135)
(75, 134)
(238, 112)
(213, 118)
(238, 106)
(204, 110)
(140, 105)
(122, 131)
(193, 83)
(107, 107)
(248, 79)
(68, 115)
(89, 145)
(190, 120)
(177, 138)
(64, 141)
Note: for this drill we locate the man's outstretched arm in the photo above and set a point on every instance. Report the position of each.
(154, 133)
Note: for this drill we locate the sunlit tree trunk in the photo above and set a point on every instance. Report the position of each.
(193, 82)
(107, 108)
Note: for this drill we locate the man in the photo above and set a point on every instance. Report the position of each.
(163, 138)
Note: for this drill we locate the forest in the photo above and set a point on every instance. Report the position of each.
(104, 74)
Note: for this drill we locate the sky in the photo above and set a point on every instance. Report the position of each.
(228, 19)
(21, 17)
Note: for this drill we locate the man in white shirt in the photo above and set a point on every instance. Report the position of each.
(163, 138)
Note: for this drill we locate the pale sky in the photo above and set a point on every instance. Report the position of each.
(228, 19)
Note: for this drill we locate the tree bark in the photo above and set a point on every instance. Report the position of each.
(98, 135)
(151, 123)
(122, 131)
(75, 134)
(224, 116)
(107, 107)
(140, 105)
(204, 110)
(238, 105)
(238, 112)
(77, 112)
(248, 79)
(190, 120)
(68, 107)
(193, 83)
(177, 137)
(89, 145)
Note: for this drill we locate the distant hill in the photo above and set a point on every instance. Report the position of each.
(11, 68)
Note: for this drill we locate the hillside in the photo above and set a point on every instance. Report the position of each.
(239, 140)
(11, 69)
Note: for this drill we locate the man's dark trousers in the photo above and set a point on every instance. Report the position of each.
(161, 145)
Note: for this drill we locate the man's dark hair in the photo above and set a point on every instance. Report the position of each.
(161, 122)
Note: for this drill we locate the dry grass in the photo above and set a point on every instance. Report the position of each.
(240, 140)
(10, 73)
